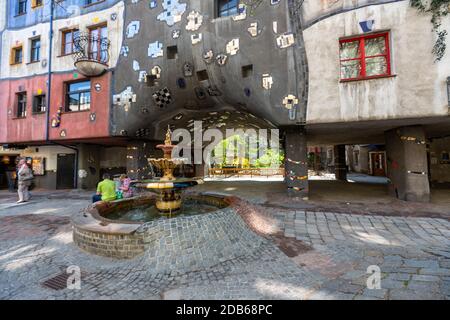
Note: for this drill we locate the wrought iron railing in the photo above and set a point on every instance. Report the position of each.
(89, 47)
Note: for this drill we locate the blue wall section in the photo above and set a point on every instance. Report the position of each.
(42, 14)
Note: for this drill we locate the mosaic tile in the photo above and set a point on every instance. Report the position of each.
(173, 12)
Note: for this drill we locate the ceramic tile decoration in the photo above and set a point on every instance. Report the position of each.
(213, 91)
(267, 81)
(208, 56)
(242, 13)
(124, 51)
(232, 47)
(253, 29)
(176, 34)
(136, 66)
(195, 20)
(92, 116)
(143, 132)
(285, 40)
(125, 98)
(274, 2)
(113, 16)
(98, 87)
(156, 71)
(181, 83)
(200, 93)
(63, 133)
(133, 29)
(188, 70)
(173, 12)
(221, 59)
(162, 97)
(155, 49)
(196, 38)
(142, 76)
(275, 26)
(290, 101)
(152, 4)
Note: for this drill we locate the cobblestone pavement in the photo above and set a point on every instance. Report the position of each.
(412, 253)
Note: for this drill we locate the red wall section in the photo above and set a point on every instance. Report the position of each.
(76, 124)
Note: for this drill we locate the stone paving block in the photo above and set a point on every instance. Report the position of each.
(423, 277)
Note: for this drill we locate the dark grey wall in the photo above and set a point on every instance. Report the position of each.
(245, 94)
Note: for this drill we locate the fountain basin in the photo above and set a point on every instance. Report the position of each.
(195, 239)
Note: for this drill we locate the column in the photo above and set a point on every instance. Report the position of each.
(296, 164)
(340, 165)
(407, 163)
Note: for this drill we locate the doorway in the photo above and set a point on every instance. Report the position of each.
(65, 168)
(378, 164)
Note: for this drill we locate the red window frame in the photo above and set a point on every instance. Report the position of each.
(362, 58)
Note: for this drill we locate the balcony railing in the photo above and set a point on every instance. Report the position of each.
(91, 54)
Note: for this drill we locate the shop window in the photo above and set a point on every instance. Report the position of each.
(21, 105)
(21, 7)
(67, 37)
(365, 57)
(227, 8)
(39, 103)
(78, 96)
(35, 49)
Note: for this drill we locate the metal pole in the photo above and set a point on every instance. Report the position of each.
(49, 73)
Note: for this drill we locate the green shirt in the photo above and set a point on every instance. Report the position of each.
(107, 188)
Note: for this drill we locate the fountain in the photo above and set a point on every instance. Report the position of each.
(171, 231)
(168, 188)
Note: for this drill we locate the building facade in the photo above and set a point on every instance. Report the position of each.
(332, 72)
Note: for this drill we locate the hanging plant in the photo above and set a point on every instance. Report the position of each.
(438, 10)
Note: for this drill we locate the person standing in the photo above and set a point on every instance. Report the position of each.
(106, 190)
(25, 177)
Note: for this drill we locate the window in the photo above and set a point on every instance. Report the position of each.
(89, 2)
(16, 55)
(227, 8)
(68, 37)
(365, 57)
(98, 49)
(78, 96)
(247, 71)
(202, 75)
(21, 7)
(39, 103)
(172, 52)
(35, 50)
(36, 3)
(21, 104)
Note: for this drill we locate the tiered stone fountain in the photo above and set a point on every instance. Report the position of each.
(168, 188)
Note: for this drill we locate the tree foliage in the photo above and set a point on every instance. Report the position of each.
(439, 9)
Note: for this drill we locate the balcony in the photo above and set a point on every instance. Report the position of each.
(91, 54)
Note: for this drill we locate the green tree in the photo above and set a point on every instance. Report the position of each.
(438, 10)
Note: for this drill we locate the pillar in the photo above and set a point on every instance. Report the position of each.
(88, 166)
(407, 164)
(340, 165)
(137, 164)
(296, 162)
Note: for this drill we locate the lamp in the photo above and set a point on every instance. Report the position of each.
(448, 90)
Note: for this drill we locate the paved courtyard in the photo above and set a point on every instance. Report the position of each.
(312, 255)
